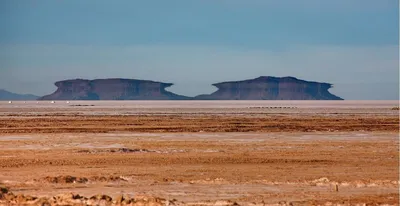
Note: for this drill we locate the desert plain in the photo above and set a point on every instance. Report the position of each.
(199, 153)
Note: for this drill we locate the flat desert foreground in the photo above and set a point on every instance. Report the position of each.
(199, 153)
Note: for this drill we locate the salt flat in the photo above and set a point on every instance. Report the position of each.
(207, 104)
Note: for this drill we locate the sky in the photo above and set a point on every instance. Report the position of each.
(353, 44)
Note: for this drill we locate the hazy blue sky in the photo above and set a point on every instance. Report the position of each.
(194, 43)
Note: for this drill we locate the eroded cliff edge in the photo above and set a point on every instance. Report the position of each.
(271, 88)
(112, 89)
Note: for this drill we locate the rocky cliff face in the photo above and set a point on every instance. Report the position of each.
(112, 89)
(271, 88)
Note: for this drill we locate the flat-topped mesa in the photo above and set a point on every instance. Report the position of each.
(112, 89)
(271, 88)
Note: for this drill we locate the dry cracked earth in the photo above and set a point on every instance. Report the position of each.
(88, 155)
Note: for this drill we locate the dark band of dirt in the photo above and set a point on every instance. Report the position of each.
(199, 123)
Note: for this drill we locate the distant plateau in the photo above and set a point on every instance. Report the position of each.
(261, 88)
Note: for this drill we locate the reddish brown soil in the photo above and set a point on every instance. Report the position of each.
(200, 159)
(198, 123)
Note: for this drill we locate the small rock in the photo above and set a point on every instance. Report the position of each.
(225, 203)
(30, 198)
(42, 201)
(103, 197)
(20, 198)
(127, 201)
(9, 196)
(3, 190)
(119, 199)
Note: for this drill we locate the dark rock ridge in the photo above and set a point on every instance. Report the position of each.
(261, 88)
(271, 88)
(112, 89)
(6, 95)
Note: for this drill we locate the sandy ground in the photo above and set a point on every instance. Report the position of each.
(246, 154)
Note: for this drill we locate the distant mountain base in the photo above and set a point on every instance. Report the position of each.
(7, 96)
